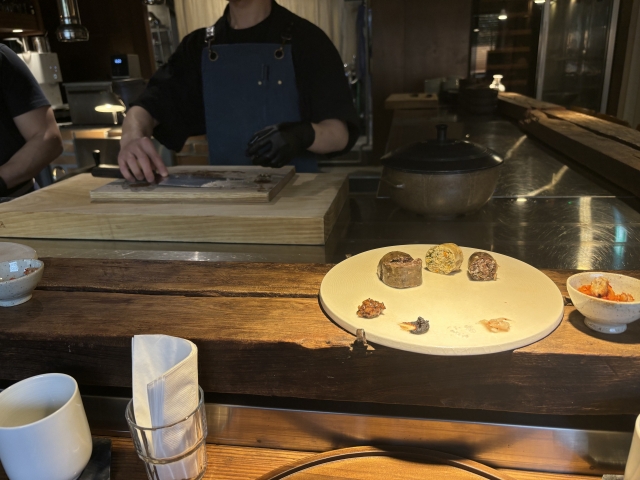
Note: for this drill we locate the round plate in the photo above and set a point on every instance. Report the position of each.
(453, 304)
(16, 251)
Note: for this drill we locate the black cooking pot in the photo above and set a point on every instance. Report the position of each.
(441, 177)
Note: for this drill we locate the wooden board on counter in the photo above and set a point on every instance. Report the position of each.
(267, 335)
(613, 131)
(243, 184)
(516, 106)
(303, 213)
(613, 160)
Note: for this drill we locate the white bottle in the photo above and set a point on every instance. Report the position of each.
(497, 84)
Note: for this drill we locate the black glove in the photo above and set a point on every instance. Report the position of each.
(277, 145)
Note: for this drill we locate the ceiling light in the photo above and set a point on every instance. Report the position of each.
(539, 2)
(18, 30)
(476, 30)
(503, 15)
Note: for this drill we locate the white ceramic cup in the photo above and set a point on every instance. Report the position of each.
(44, 433)
(632, 470)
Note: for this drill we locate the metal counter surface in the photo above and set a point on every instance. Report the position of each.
(545, 211)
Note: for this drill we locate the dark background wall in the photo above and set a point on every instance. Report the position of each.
(115, 27)
(414, 40)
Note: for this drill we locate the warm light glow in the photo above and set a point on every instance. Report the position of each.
(108, 108)
(521, 200)
(476, 30)
(539, 1)
(503, 15)
(18, 30)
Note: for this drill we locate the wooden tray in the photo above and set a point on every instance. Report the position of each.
(453, 304)
(239, 185)
(390, 463)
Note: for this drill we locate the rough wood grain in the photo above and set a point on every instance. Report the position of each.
(619, 133)
(516, 106)
(239, 191)
(203, 279)
(244, 463)
(197, 279)
(287, 347)
(615, 161)
(303, 213)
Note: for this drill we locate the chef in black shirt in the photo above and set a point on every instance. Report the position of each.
(267, 87)
(29, 136)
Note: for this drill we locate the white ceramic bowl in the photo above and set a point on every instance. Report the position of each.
(19, 290)
(601, 315)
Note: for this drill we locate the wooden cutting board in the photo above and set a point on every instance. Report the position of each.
(246, 184)
(303, 213)
(389, 463)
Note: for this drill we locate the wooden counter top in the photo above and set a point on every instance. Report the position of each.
(245, 463)
(260, 331)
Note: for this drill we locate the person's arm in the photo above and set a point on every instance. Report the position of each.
(331, 136)
(138, 156)
(44, 144)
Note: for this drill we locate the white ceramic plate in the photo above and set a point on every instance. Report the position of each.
(16, 251)
(453, 304)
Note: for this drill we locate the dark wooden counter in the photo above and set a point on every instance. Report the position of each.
(260, 331)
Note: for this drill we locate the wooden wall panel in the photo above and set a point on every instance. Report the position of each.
(115, 27)
(413, 40)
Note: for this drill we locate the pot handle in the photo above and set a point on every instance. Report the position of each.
(398, 186)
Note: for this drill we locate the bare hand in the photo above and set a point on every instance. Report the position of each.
(138, 159)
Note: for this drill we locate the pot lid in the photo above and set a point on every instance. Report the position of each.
(442, 155)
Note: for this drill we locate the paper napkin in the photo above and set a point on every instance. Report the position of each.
(165, 391)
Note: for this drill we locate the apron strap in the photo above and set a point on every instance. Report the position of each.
(286, 37)
(210, 38)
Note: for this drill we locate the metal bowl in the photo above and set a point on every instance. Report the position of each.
(441, 178)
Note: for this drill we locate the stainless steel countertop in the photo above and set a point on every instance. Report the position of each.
(545, 211)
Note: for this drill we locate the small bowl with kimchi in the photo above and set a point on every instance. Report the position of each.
(18, 280)
(608, 301)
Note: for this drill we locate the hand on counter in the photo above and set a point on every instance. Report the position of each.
(138, 156)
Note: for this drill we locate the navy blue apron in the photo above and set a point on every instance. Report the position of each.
(246, 88)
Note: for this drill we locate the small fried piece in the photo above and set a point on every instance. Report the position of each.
(497, 325)
(599, 287)
(418, 327)
(370, 308)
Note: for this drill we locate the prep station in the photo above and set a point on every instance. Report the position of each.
(287, 387)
